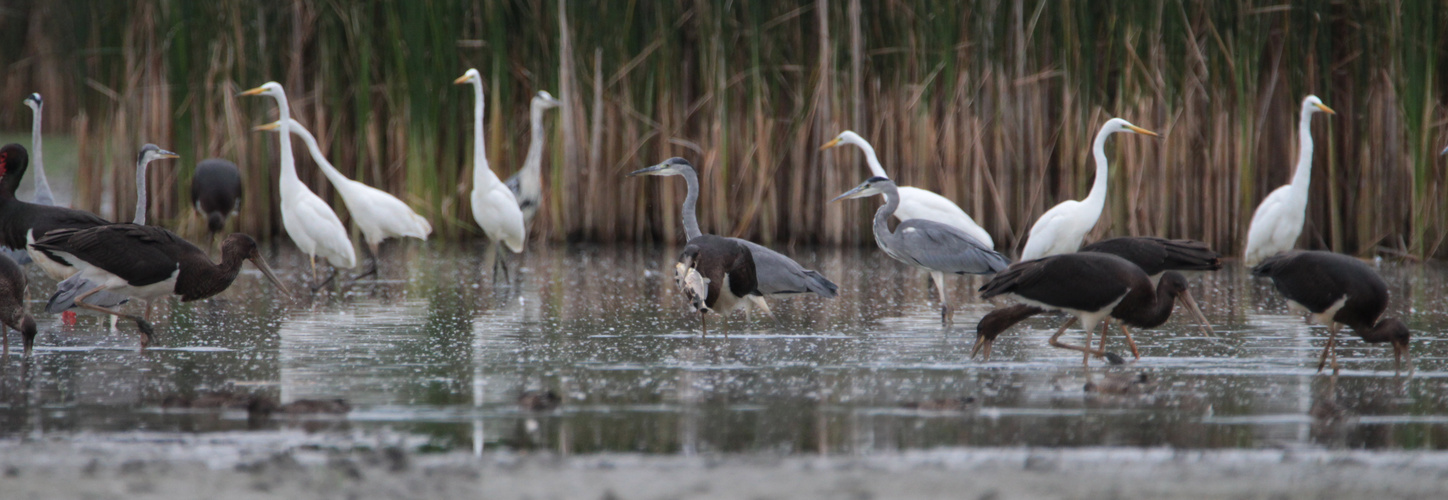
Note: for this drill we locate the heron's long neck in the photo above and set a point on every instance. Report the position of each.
(289, 180)
(871, 159)
(140, 219)
(534, 160)
(1096, 200)
(1302, 176)
(338, 180)
(691, 219)
(42, 187)
(483, 176)
(882, 216)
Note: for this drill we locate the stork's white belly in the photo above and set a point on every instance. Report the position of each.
(55, 270)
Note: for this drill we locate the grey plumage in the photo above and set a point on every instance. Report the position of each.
(777, 273)
(527, 184)
(64, 297)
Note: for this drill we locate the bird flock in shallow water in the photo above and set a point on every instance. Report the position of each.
(1133, 281)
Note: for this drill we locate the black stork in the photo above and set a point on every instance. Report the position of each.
(12, 305)
(148, 262)
(1091, 287)
(1155, 256)
(215, 192)
(1338, 290)
(22, 223)
(716, 274)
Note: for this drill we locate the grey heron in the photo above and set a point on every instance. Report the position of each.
(716, 274)
(926, 244)
(527, 184)
(43, 196)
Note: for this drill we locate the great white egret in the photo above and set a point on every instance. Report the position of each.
(1061, 228)
(1278, 220)
(494, 206)
(310, 222)
(376, 212)
(916, 203)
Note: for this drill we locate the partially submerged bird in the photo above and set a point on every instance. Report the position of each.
(916, 203)
(308, 220)
(1338, 290)
(376, 212)
(778, 274)
(1061, 228)
(539, 400)
(216, 192)
(495, 208)
(147, 262)
(1278, 220)
(527, 184)
(726, 270)
(1089, 286)
(935, 247)
(12, 305)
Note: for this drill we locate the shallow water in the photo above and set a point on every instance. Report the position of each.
(437, 350)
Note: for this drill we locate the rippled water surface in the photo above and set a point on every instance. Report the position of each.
(438, 350)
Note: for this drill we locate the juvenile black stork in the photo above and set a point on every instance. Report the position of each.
(12, 305)
(716, 274)
(1338, 290)
(1155, 256)
(1090, 286)
(147, 262)
(216, 191)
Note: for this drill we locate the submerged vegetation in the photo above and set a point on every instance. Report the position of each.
(991, 103)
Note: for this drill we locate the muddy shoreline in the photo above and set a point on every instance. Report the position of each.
(294, 464)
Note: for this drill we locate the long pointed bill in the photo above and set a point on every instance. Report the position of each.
(1191, 303)
(270, 126)
(1401, 355)
(647, 170)
(461, 80)
(858, 192)
(1325, 109)
(1141, 131)
(166, 154)
(266, 270)
(833, 143)
(255, 91)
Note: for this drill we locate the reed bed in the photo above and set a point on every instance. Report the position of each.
(992, 103)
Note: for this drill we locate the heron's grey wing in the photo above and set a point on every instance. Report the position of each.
(945, 248)
(515, 185)
(781, 275)
(68, 289)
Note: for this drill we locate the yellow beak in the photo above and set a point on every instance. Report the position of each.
(1325, 109)
(461, 80)
(269, 126)
(255, 91)
(1142, 131)
(830, 144)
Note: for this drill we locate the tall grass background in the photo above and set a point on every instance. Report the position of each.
(992, 103)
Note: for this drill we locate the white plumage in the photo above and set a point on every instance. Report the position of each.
(308, 220)
(494, 206)
(916, 203)
(1278, 220)
(1061, 229)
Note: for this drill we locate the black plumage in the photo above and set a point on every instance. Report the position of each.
(1338, 290)
(21, 221)
(729, 268)
(216, 190)
(12, 305)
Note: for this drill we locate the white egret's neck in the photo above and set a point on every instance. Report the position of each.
(870, 157)
(1096, 200)
(691, 218)
(1302, 175)
(42, 187)
(333, 175)
(483, 176)
(534, 160)
(140, 218)
(289, 179)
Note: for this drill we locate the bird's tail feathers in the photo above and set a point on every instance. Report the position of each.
(820, 285)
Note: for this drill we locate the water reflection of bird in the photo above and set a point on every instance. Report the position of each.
(1089, 286)
(216, 191)
(308, 220)
(539, 400)
(778, 275)
(146, 262)
(1061, 228)
(917, 203)
(527, 184)
(495, 208)
(935, 247)
(1278, 220)
(1338, 290)
(727, 270)
(1155, 257)
(376, 212)
(1121, 384)
(944, 404)
(12, 305)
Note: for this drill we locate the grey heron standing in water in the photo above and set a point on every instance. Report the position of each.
(933, 246)
(778, 274)
(527, 184)
(716, 274)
